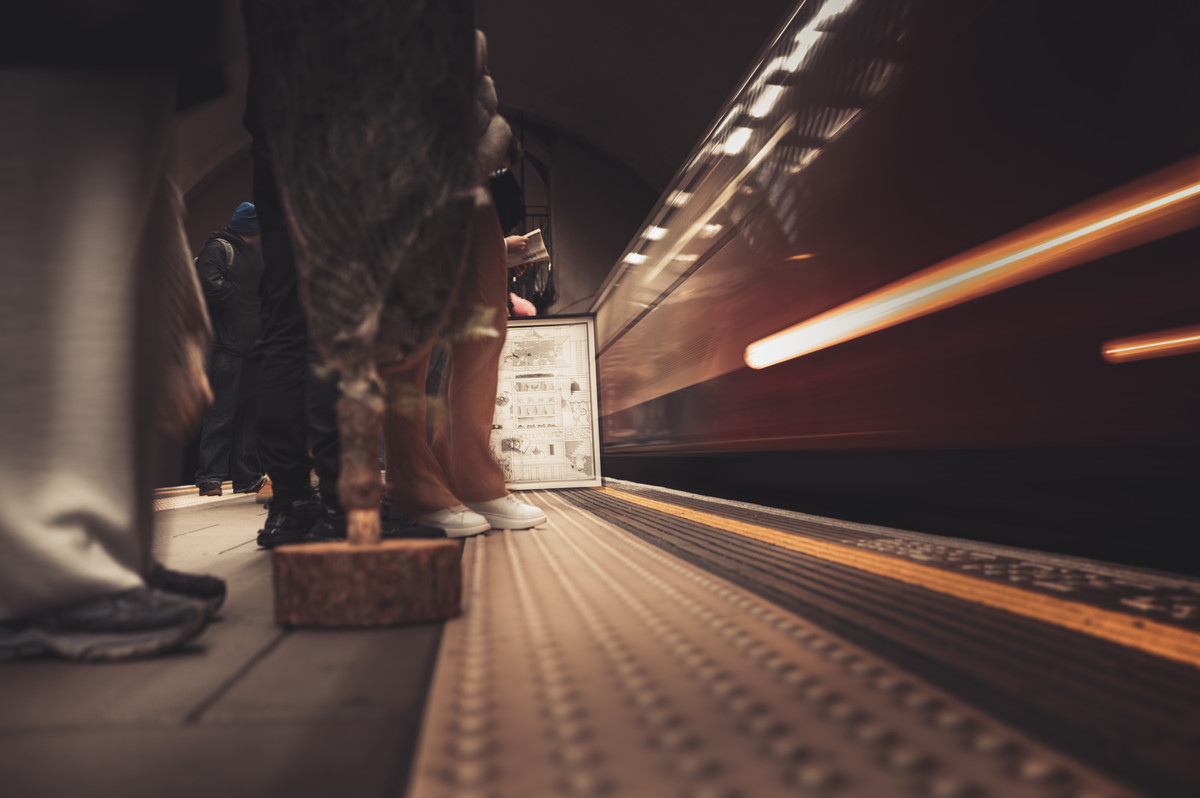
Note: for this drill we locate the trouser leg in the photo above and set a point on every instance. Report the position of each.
(321, 395)
(244, 466)
(81, 160)
(283, 364)
(217, 434)
(471, 471)
(416, 484)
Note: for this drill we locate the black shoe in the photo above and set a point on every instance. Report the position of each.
(293, 522)
(254, 486)
(207, 589)
(209, 488)
(134, 623)
(394, 525)
(399, 525)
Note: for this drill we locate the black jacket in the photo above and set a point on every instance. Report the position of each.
(231, 291)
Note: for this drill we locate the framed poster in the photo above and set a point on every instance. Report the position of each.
(546, 431)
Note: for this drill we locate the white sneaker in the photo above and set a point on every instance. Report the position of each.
(509, 512)
(457, 521)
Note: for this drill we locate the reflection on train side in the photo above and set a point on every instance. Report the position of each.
(894, 196)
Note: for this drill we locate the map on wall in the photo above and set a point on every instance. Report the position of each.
(545, 433)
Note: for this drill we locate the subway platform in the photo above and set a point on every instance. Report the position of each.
(646, 642)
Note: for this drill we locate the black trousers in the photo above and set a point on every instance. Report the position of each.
(296, 401)
(227, 444)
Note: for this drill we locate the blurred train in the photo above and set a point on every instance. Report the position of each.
(935, 253)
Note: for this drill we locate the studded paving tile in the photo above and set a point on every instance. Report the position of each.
(588, 663)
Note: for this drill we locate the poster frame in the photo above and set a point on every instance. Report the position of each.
(508, 385)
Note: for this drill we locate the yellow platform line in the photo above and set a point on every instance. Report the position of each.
(1155, 638)
(161, 493)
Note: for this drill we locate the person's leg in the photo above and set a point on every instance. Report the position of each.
(472, 472)
(283, 353)
(284, 374)
(464, 450)
(169, 296)
(245, 467)
(218, 433)
(81, 159)
(416, 483)
(320, 418)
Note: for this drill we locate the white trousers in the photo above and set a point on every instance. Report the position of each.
(82, 159)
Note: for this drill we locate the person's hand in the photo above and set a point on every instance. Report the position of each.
(517, 244)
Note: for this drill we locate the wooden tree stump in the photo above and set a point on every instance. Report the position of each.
(375, 584)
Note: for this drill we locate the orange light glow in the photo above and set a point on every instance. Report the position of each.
(1179, 341)
(1159, 205)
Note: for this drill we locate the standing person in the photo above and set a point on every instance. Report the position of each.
(298, 434)
(510, 209)
(456, 484)
(518, 305)
(230, 268)
(89, 225)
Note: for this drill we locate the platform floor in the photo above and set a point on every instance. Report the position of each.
(250, 709)
(644, 643)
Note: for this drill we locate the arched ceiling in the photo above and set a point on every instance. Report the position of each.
(639, 80)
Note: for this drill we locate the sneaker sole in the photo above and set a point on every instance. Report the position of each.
(100, 647)
(501, 522)
(465, 532)
(212, 606)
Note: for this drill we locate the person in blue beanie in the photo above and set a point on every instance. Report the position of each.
(230, 268)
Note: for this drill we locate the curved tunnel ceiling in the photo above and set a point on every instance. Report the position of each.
(637, 80)
(640, 81)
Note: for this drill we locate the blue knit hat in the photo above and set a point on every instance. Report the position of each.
(244, 221)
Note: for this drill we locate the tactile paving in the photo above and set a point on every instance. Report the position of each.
(589, 663)
(177, 498)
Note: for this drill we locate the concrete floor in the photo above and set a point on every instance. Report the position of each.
(249, 709)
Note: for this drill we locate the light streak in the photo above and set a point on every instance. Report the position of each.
(1109, 224)
(1179, 341)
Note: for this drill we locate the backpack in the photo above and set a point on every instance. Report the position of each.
(225, 245)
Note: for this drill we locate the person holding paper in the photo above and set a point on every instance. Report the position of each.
(454, 483)
(518, 305)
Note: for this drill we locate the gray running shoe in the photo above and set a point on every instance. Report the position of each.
(134, 623)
